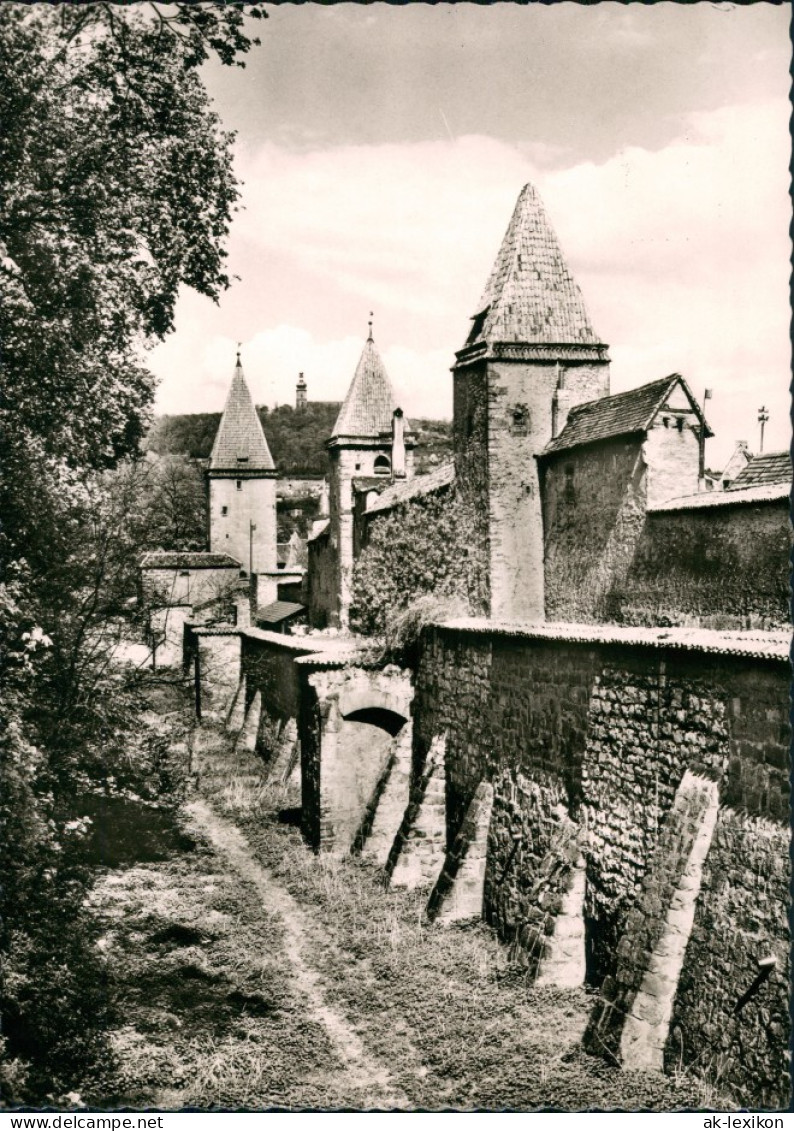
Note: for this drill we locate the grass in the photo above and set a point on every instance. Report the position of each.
(458, 1025)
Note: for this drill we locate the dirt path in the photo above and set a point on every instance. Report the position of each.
(364, 1072)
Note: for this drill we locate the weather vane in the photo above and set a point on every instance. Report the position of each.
(370, 323)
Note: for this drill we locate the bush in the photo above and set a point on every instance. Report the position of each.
(424, 561)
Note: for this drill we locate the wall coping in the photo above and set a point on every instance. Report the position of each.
(756, 644)
(764, 493)
(213, 630)
(341, 659)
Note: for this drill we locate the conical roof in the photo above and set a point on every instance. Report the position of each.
(370, 403)
(240, 442)
(531, 295)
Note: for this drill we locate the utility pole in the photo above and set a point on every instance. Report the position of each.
(763, 416)
(702, 441)
(251, 529)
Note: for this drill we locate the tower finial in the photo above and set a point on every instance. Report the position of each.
(369, 336)
(239, 347)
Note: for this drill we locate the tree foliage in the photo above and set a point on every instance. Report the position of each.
(117, 189)
(422, 561)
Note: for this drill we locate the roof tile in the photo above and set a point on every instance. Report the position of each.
(618, 415)
(370, 403)
(531, 295)
(770, 467)
(240, 442)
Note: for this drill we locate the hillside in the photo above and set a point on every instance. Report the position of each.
(296, 439)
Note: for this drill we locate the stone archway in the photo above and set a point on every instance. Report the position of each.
(357, 788)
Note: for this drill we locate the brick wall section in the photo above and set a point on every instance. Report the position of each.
(733, 1039)
(594, 509)
(645, 729)
(188, 587)
(644, 924)
(605, 732)
(470, 432)
(720, 567)
(514, 500)
(532, 850)
(217, 659)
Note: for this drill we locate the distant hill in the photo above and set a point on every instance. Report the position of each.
(296, 439)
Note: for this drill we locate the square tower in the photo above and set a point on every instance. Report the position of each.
(242, 484)
(371, 441)
(530, 356)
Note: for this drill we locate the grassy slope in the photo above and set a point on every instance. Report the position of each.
(458, 1025)
(212, 1010)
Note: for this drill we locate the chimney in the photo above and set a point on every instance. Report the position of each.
(561, 403)
(398, 444)
(324, 507)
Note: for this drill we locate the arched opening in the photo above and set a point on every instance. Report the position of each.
(382, 465)
(380, 717)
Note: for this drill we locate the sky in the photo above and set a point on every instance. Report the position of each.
(382, 150)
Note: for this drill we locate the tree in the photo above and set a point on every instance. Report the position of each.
(116, 189)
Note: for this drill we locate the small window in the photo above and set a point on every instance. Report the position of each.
(358, 465)
(680, 423)
(239, 484)
(570, 490)
(519, 420)
(242, 459)
(382, 465)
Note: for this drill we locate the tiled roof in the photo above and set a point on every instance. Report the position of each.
(764, 645)
(531, 295)
(278, 611)
(319, 526)
(369, 404)
(404, 490)
(771, 467)
(187, 559)
(240, 443)
(619, 415)
(763, 493)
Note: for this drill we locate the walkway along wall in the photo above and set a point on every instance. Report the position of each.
(602, 745)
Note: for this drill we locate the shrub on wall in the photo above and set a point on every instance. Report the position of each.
(422, 561)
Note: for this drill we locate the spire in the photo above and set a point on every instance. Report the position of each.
(370, 402)
(240, 443)
(531, 296)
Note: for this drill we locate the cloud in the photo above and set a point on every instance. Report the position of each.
(682, 255)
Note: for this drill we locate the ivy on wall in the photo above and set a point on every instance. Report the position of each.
(422, 560)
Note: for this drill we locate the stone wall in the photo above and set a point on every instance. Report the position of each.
(586, 742)
(268, 667)
(166, 587)
(245, 500)
(594, 513)
(354, 729)
(608, 558)
(731, 1015)
(321, 581)
(719, 567)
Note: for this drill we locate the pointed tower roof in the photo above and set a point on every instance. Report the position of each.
(370, 403)
(531, 296)
(240, 442)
